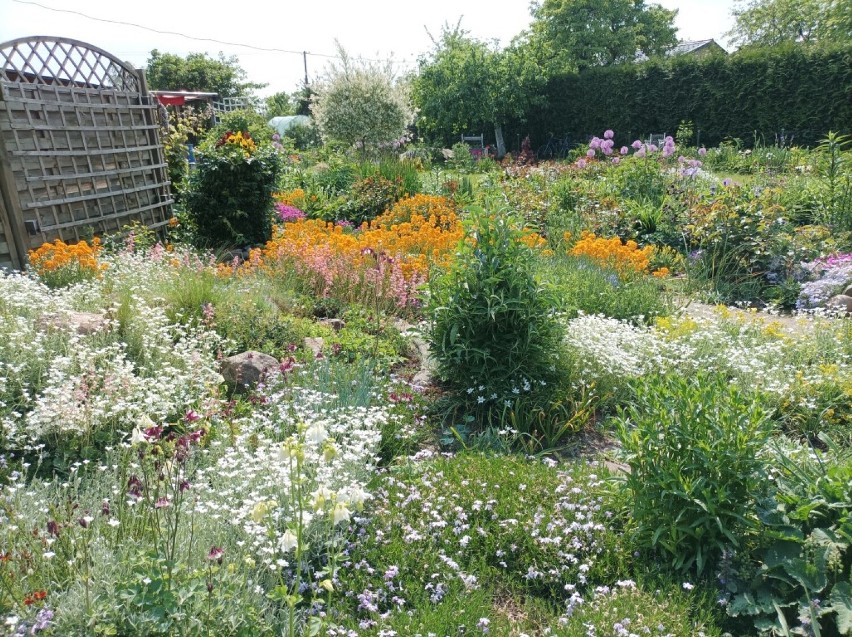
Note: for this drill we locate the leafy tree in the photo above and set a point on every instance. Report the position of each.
(360, 103)
(465, 83)
(584, 33)
(772, 22)
(280, 104)
(199, 72)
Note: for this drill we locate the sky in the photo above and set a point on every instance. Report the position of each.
(397, 30)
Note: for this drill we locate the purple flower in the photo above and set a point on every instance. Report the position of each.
(595, 143)
(727, 182)
(637, 144)
(616, 161)
(624, 150)
(590, 153)
(640, 152)
(289, 213)
(581, 163)
(608, 134)
(42, 621)
(652, 148)
(702, 151)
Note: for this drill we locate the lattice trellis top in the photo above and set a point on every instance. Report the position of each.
(54, 60)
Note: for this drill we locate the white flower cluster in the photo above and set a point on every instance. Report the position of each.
(754, 355)
(293, 460)
(58, 383)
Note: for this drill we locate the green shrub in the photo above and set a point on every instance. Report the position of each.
(584, 287)
(370, 197)
(230, 192)
(804, 554)
(692, 445)
(493, 333)
(246, 120)
(303, 136)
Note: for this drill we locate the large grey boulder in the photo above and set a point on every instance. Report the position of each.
(82, 323)
(840, 303)
(245, 370)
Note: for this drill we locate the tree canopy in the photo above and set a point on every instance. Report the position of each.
(466, 83)
(773, 22)
(360, 103)
(198, 72)
(584, 33)
(280, 104)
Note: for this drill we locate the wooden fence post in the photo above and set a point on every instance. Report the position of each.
(11, 212)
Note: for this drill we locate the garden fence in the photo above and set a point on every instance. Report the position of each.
(80, 150)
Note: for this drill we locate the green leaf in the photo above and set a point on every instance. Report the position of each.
(841, 603)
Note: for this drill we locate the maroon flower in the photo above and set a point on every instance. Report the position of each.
(53, 527)
(153, 433)
(162, 503)
(191, 416)
(216, 554)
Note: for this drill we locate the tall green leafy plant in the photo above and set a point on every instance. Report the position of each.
(836, 196)
(801, 576)
(692, 445)
(493, 333)
(230, 192)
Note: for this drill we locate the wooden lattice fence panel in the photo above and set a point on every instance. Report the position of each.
(80, 152)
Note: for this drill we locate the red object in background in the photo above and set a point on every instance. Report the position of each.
(171, 100)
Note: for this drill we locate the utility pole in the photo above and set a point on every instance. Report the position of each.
(305, 60)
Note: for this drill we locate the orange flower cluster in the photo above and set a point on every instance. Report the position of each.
(625, 258)
(295, 198)
(418, 232)
(60, 263)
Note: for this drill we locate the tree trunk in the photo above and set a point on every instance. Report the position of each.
(501, 145)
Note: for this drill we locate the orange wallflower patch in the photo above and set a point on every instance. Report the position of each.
(626, 258)
(393, 254)
(60, 263)
(295, 198)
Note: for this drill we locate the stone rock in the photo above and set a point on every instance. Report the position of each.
(82, 323)
(841, 302)
(315, 345)
(848, 291)
(447, 153)
(334, 323)
(246, 369)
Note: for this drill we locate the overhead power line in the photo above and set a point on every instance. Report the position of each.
(199, 39)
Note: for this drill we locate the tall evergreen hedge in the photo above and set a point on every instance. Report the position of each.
(756, 94)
